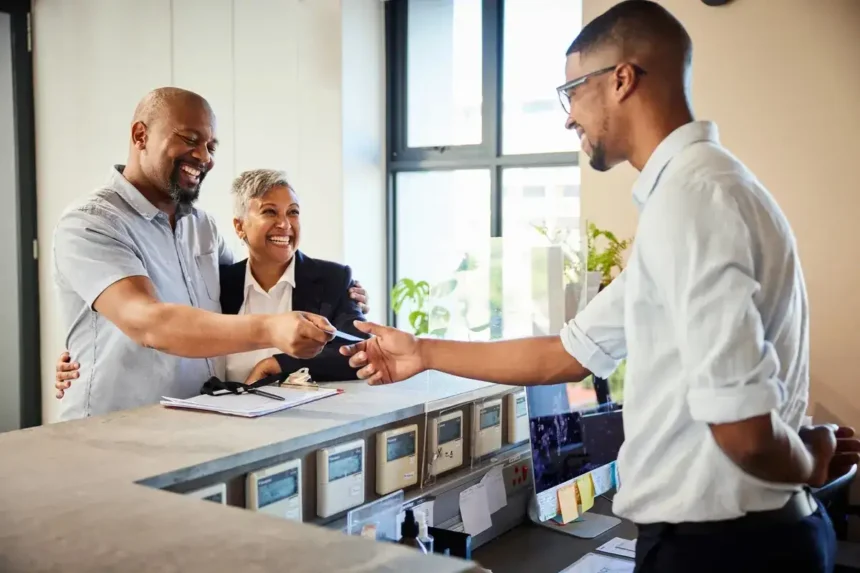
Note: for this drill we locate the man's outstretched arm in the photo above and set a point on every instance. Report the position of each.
(391, 355)
(593, 342)
(525, 361)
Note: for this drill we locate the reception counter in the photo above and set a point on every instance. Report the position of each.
(104, 494)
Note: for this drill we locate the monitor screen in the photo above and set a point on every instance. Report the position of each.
(344, 464)
(521, 409)
(449, 430)
(400, 446)
(491, 416)
(274, 488)
(571, 435)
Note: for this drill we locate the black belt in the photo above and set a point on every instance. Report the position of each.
(799, 506)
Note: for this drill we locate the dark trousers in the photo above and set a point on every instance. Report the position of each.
(805, 546)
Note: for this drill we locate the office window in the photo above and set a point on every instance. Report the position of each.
(537, 33)
(438, 212)
(443, 83)
(477, 145)
(533, 199)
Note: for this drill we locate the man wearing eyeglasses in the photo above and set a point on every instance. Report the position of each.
(711, 314)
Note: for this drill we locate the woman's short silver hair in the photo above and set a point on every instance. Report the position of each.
(254, 184)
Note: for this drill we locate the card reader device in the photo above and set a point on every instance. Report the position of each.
(216, 493)
(340, 477)
(446, 442)
(518, 417)
(396, 459)
(487, 427)
(276, 490)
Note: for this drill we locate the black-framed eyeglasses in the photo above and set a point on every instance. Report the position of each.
(564, 90)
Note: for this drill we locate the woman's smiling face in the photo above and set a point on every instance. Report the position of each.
(271, 225)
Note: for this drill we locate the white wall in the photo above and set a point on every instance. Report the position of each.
(276, 74)
(364, 176)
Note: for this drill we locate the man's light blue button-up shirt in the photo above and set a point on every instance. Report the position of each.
(116, 233)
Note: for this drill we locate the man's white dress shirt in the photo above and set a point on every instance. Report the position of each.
(279, 299)
(711, 314)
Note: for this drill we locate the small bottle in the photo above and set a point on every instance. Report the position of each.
(409, 532)
(423, 532)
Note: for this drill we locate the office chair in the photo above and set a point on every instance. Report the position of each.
(834, 496)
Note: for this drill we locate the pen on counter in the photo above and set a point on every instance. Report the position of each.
(266, 394)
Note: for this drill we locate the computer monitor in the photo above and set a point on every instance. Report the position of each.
(571, 434)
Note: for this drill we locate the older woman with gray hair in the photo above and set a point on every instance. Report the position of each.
(276, 277)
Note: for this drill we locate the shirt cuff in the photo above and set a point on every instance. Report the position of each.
(586, 351)
(727, 405)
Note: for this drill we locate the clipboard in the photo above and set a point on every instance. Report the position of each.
(237, 399)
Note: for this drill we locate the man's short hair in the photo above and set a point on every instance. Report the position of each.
(632, 24)
(254, 184)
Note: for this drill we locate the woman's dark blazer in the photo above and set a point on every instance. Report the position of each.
(322, 287)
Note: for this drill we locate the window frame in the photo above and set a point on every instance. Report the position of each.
(30, 375)
(486, 155)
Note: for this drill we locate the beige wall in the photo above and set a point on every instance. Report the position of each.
(781, 80)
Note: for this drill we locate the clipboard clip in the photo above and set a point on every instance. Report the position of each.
(301, 378)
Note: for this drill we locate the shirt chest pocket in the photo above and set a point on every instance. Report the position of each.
(207, 267)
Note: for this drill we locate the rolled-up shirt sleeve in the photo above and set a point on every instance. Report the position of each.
(706, 271)
(595, 336)
(91, 253)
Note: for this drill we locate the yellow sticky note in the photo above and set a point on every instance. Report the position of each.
(586, 492)
(567, 503)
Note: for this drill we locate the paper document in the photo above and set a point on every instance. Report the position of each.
(567, 503)
(618, 546)
(497, 497)
(602, 479)
(475, 510)
(250, 405)
(594, 563)
(586, 492)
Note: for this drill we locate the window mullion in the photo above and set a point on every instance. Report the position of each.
(492, 103)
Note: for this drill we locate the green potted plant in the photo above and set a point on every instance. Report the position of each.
(412, 295)
(604, 254)
(604, 260)
(409, 295)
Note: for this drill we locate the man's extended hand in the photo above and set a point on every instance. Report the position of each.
(359, 295)
(838, 446)
(390, 355)
(265, 367)
(299, 334)
(66, 372)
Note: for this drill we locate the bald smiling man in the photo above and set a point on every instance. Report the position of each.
(136, 266)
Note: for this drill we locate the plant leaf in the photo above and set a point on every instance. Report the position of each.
(445, 288)
(419, 322)
(440, 313)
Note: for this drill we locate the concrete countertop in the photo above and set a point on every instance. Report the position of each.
(71, 499)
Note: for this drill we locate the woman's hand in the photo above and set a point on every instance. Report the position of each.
(359, 295)
(265, 367)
